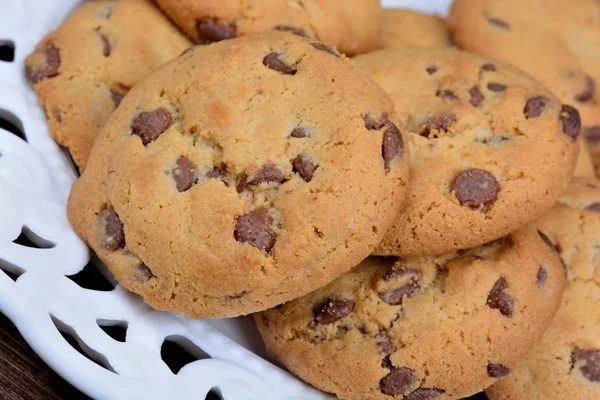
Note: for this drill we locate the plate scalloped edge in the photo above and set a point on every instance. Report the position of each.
(35, 179)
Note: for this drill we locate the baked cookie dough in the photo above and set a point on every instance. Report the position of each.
(242, 175)
(82, 70)
(565, 363)
(409, 28)
(491, 149)
(438, 328)
(352, 26)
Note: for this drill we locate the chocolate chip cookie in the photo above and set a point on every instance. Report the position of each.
(352, 26)
(491, 149)
(82, 70)
(565, 363)
(242, 175)
(409, 28)
(439, 328)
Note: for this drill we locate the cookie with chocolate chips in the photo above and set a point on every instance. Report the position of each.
(555, 41)
(242, 175)
(441, 327)
(491, 149)
(81, 71)
(351, 26)
(565, 363)
(410, 28)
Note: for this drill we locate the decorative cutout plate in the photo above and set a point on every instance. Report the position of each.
(122, 342)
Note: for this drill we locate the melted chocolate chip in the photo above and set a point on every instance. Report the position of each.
(299, 132)
(413, 278)
(273, 62)
(497, 370)
(48, 68)
(106, 47)
(384, 344)
(587, 94)
(571, 121)
(546, 239)
(446, 94)
(375, 125)
(393, 144)
(589, 363)
(496, 87)
(440, 123)
(255, 229)
(117, 94)
(535, 106)
(144, 273)
(151, 124)
(218, 172)
(304, 166)
(592, 134)
(332, 310)
(499, 300)
(288, 28)
(498, 22)
(475, 187)
(398, 381)
(183, 174)
(488, 67)
(476, 96)
(432, 69)
(268, 173)
(325, 48)
(542, 277)
(210, 30)
(424, 394)
(593, 207)
(114, 235)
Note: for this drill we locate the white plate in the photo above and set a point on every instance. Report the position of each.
(35, 178)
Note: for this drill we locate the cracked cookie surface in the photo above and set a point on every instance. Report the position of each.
(565, 363)
(82, 70)
(410, 28)
(491, 149)
(440, 327)
(242, 175)
(352, 26)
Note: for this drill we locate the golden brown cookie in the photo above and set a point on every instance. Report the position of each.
(352, 26)
(438, 328)
(409, 28)
(565, 363)
(82, 70)
(491, 149)
(242, 175)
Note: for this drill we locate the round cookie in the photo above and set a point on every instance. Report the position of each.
(82, 70)
(439, 327)
(409, 28)
(242, 175)
(555, 41)
(353, 26)
(491, 149)
(565, 363)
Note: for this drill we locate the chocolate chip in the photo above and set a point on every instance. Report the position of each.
(446, 94)
(396, 297)
(432, 69)
(591, 363)
(593, 207)
(587, 94)
(144, 273)
(411, 276)
(57, 114)
(210, 30)
(542, 277)
(497, 370)
(268, 173)
(546, 239)
(117, 94)
(304, 166)
(499, 300)
(292, 29)
(106, 47)
(273, 62)
(476, 96)
(440, 123)
(496, 87)
(332, 310)
(535, 106)
(592, 134)
(325, 48)
(183, 174)
(475, 187)
(150, 125)
(384, 344)
(299, 132)
(375, 125)
(114, 236)
(255, 229)
(571, 122)
(48, 68)
(398, 381)
(498, 22)
(424, 394)
(488, 67)
(218, 172)
(393, 144)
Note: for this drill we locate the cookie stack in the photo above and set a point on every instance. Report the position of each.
(377, 214)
